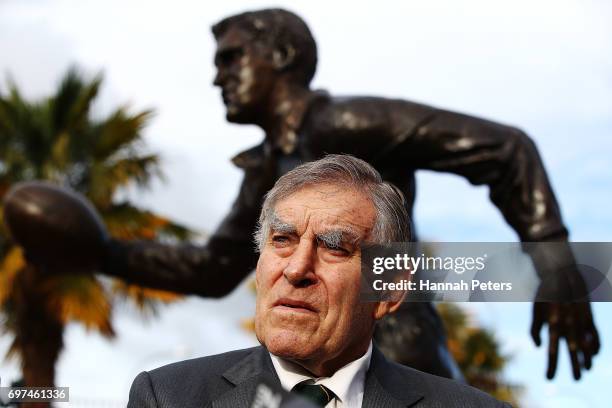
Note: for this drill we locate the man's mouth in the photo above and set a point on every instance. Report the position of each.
(295, 305)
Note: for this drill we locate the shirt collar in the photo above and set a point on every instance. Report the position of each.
(347, 383)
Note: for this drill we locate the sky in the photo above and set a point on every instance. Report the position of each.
(544, 66)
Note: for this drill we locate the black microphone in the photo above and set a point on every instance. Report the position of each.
(269, 394)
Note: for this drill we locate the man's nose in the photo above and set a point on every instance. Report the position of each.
(300, 270)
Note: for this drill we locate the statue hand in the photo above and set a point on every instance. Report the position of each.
(562, 302)
(58, 229)
(574, 323)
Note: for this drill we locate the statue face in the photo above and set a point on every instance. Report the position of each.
(246, 75)
(308, 305)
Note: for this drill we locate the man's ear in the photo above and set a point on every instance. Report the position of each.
(384, 308)
(394, 298)
(283, 56)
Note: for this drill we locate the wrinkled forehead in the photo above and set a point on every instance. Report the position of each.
(325, 207)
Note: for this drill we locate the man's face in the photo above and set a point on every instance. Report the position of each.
(245, 74)
(308, 275)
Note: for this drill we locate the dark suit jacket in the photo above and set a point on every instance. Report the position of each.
(229, 380)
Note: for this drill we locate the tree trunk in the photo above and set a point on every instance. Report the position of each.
(39, 335)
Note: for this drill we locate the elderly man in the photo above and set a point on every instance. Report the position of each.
(315, 332)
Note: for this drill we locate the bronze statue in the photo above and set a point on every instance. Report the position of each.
(265, 61)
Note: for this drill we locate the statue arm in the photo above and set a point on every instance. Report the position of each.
(502, 157)
(507, 160)
(396, 135)
(212, 270)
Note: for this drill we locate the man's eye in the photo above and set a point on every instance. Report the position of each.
(280, 239)
(336, 249)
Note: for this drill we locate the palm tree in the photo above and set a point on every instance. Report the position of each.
(57, 139)
(477, 353)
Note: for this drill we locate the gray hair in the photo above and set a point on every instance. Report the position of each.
(392, 221)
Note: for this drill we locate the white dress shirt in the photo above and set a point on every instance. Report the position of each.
(347, 383)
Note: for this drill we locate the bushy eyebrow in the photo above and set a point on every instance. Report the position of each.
(332, 237)
(278, 225)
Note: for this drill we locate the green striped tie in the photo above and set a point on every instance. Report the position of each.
(319, 394)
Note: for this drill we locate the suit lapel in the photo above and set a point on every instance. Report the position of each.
(245, 376)
(386, 387)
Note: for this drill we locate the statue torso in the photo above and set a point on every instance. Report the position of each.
(365, 127)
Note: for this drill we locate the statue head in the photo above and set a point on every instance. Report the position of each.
(256, 51)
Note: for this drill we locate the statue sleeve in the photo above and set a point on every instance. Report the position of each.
(212, 270)
(502, 157)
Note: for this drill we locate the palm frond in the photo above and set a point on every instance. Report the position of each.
(71, 105)
(79, 298)
(119, 131)
(127, 221)
(12, 263)
(146, 299)
(104, 179)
